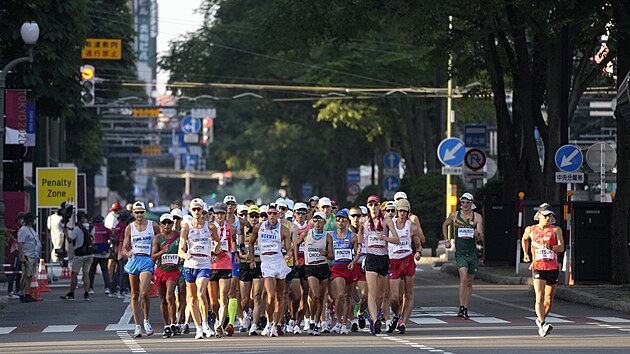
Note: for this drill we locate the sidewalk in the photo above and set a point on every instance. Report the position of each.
(613, 297)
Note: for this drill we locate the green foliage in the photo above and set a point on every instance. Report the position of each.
(490, 192)
(365, 193)
(427, 198)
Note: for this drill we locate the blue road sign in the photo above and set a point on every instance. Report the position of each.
(191, 125)
(392, 183)
(307, 190)
(189, 160)
(391, 159)
(451, 151)
(475, 135)
(353, 175)
(569, 158)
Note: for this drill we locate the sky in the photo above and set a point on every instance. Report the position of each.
(175, 18)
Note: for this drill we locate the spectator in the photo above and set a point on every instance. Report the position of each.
(120, 281)
(102, 235)
(12, 257)
(81, 236)
(56, 228)
(111, 220)
(29, 247)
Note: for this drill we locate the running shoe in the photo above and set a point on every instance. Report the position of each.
(361, 321)
(402, 329)
(247, 322)
(547, 328)
(86, 296)
(167, 332)
(297, 329)
(354, 327)
(279, 330)
(466, 317)
(252, 330)
(274, 331)
(199, 333)
(393, 324)
(324, 327)
(337, 328)
(91, 291)
(147, 328)
(317, 330)
(242, 329)
(380, 315)
(541, 332)
(68, 296)
(175, 329)
(229, 330)
(371, 325)
(107, 291)
(186, 329)
(137, 333)
(377, 326)
(218, 331)
(461, 311)
(207, 331)
(311, 329)
(343, 330)
(290, 326)
(265, 332)
(307, 325)
(113, 293)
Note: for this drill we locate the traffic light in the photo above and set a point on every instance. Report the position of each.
(207, 136)
(87, 85)
(227, 176)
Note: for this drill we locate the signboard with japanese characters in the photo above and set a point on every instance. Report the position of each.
(105, 49)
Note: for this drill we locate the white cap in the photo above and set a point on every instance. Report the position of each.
(241, 208)
(364, 210)
(166, 216)
(281, 202)
(390, 204)
(289, 214)
(197, 202)
(138, 206)
(205, 206)
(299, 206)
(319, 214)
(400, 195)
(229, 198)
(186, 220)
(324, 201)
(264, 208)
(177, 212)
(290, 203)
(467, 196)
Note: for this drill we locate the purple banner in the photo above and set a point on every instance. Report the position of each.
(15, 109)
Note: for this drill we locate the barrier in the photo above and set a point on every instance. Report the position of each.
(42, 277)
(34, 291)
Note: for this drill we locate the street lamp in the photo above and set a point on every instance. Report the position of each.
(30, 34)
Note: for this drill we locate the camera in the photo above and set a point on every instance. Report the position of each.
(66, 211)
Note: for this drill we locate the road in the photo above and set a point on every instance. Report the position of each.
(502, 321)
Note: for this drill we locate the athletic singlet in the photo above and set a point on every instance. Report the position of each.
(199, 247)
(374, 245)
(270, 242)
(224, 258)
(403, 249)
(301, 230)
(465, 233)
(141, 241)
(313, 245)
(169, 261)
(342, 247)
(248, 235)
(544, 259)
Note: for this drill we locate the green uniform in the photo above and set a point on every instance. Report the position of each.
(172, 249)
(465, 245)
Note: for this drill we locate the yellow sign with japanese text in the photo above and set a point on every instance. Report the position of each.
(106, 49)
(55, 186)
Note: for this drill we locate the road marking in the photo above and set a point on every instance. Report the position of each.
(552, 320)
(412, 344)
(126, 317)
(488, 320)
(424, 320)
(7, 330)
(610, 319)
(59, 329)
(130, 342)
(513, 306)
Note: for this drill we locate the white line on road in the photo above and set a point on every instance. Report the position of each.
(126, 317)
(7, 330)
(512, 305)
(610, 319)
(59, 329)
(131, 343)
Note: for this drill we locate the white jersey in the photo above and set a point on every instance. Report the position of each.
(403, 249)
(141, 241)
(301, 228)
(199, 247)
(375, 245)
(313, 245)
(270, 242)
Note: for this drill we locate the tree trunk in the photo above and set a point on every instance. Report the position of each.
(621, 205)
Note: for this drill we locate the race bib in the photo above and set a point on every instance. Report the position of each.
(343, 255)
(403, 247)
(544, 255)
(269, 248)
(140, 248)
(200, 250)
(374, 241)
(224, 246)
(170, 259)
(465, 232)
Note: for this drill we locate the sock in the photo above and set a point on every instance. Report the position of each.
(232, 308)
(356, 309)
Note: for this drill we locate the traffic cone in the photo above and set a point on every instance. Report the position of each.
(65, 273)
(34, 291)
(42, 277)
(153, 290)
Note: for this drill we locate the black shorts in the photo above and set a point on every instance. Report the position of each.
(378, 264)
(217, 274)
(319, 271)
(550, 276)
(300, 272)
(294, 274)
(249, 274)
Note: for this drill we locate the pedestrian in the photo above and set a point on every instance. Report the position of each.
(111, 221)
(468, 230)
(139, 235)
(546, 241)
(12, 254)
(29, 248)
(81, 237)
(57, 236)
(121, 279)
(166, 275)
(102, 236)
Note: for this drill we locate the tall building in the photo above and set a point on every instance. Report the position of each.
(145, 14)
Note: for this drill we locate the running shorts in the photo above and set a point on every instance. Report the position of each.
(249, 274)
(378, 264)
(400, 268)
(192, 274)
(550, 276)
(342, 271)
(161, 277)
(319, 271)
(274, 268)
(217, 274)
(139, 264)
(468, 260)
(236, 265)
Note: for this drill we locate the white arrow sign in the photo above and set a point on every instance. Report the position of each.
(450, 154)
(566, 160)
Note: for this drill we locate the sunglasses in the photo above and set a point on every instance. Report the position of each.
(317, 219)
(325, 206)
(334, 208)
(301, 212)
(355, 215)
(390, 210)
(166, 222)
(254, 215)
(138, 212)
(219, 213)
(283, 208)
(196, 209)
(341, 219)
(272, 213)
(176, 218)
(230, 203)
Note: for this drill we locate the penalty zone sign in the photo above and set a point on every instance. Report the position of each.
(55, 186)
